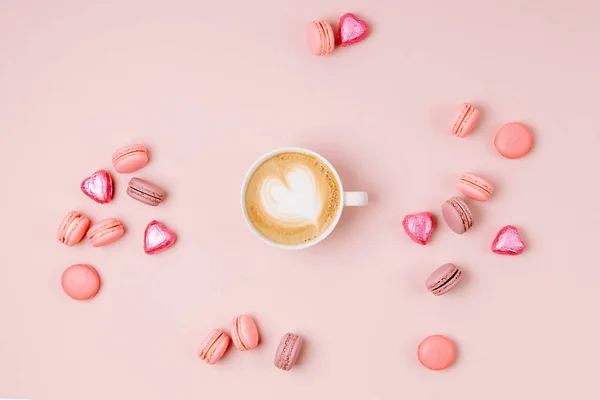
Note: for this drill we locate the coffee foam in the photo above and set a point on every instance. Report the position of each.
(292, 198)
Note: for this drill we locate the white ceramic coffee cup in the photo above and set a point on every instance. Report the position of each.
(348, 198)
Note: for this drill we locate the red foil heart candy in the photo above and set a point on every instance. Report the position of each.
(419, 227)
(508, 242)
(352, 30)
(98, 187)
(158, 238)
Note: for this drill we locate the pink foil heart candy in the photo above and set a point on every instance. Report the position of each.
(419, 227)
(508, 242)
(352, 30)
(158, 238)
(98, 187)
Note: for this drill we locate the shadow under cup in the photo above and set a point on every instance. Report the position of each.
(293, 198)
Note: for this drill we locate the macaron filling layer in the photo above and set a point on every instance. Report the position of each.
(477, 185)
(104, 230)
(464, 214)
(446, 281)
(142, 193)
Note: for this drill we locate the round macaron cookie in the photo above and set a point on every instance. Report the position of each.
(320, 38)
(457, 215)
(214, 346)
(436, 352)
(513, 140)
(443, 279)
(80, 282)
(105, 232)
(145, 192)
(465, 120)
(72, 228)
(244, 333)
(475, 187)
(287, 352)
(130, 158)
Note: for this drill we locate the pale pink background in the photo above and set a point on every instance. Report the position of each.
(209, 87)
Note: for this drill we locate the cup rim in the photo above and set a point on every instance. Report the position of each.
(253, 169)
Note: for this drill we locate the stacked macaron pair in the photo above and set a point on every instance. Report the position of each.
(99, 187)
(322, 40)
(245, 336)
(513, 140)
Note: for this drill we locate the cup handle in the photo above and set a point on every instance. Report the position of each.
(356, 198)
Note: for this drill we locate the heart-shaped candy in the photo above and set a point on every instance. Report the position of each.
(352, 30)
(98, 187)
(419, 227)
(158, 238)
(508, 242)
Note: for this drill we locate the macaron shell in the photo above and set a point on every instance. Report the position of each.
(465, 120)
(214, 346)
(130, 158)
(513, 140)
(436, 352)
(320, 38)
(244, 333)
(80, 282)
(105, 232)
(145, 192)
(475, 187)
(287, 352)
(72, 228)
(457, 215)
(443, 279)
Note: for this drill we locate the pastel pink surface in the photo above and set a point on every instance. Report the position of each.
(419, 227)
(72, 228)
(158, 237)
(105, 232)
(214, 346)
(320, 38)
(508, 241)
(465, 120)
(244, 333)
(352, 30)
(288, 351)
(80, 282)
(130, 158)
(513, 140)
(443, 279)
(98, 187)
(436, 352)
(80, 79)
(475, 187)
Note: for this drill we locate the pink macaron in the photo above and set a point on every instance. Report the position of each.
(72, 228)
(105, 232)
(320, 38)
(436, 352)
(214, 346)
(244, 333)
(287, 352)
(465, 120)
(80, 282)
(443, 279)
(513, 140)
(145, 192)
(457, 215)
(130, 158)
(475, 187)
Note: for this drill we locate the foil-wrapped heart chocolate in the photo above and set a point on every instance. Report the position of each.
(352, 30)
(419, 227)
(508, 242)
(98, 187)
(158, 238)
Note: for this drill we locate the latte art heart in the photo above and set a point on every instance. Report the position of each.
(295, 200)
(292, 198)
